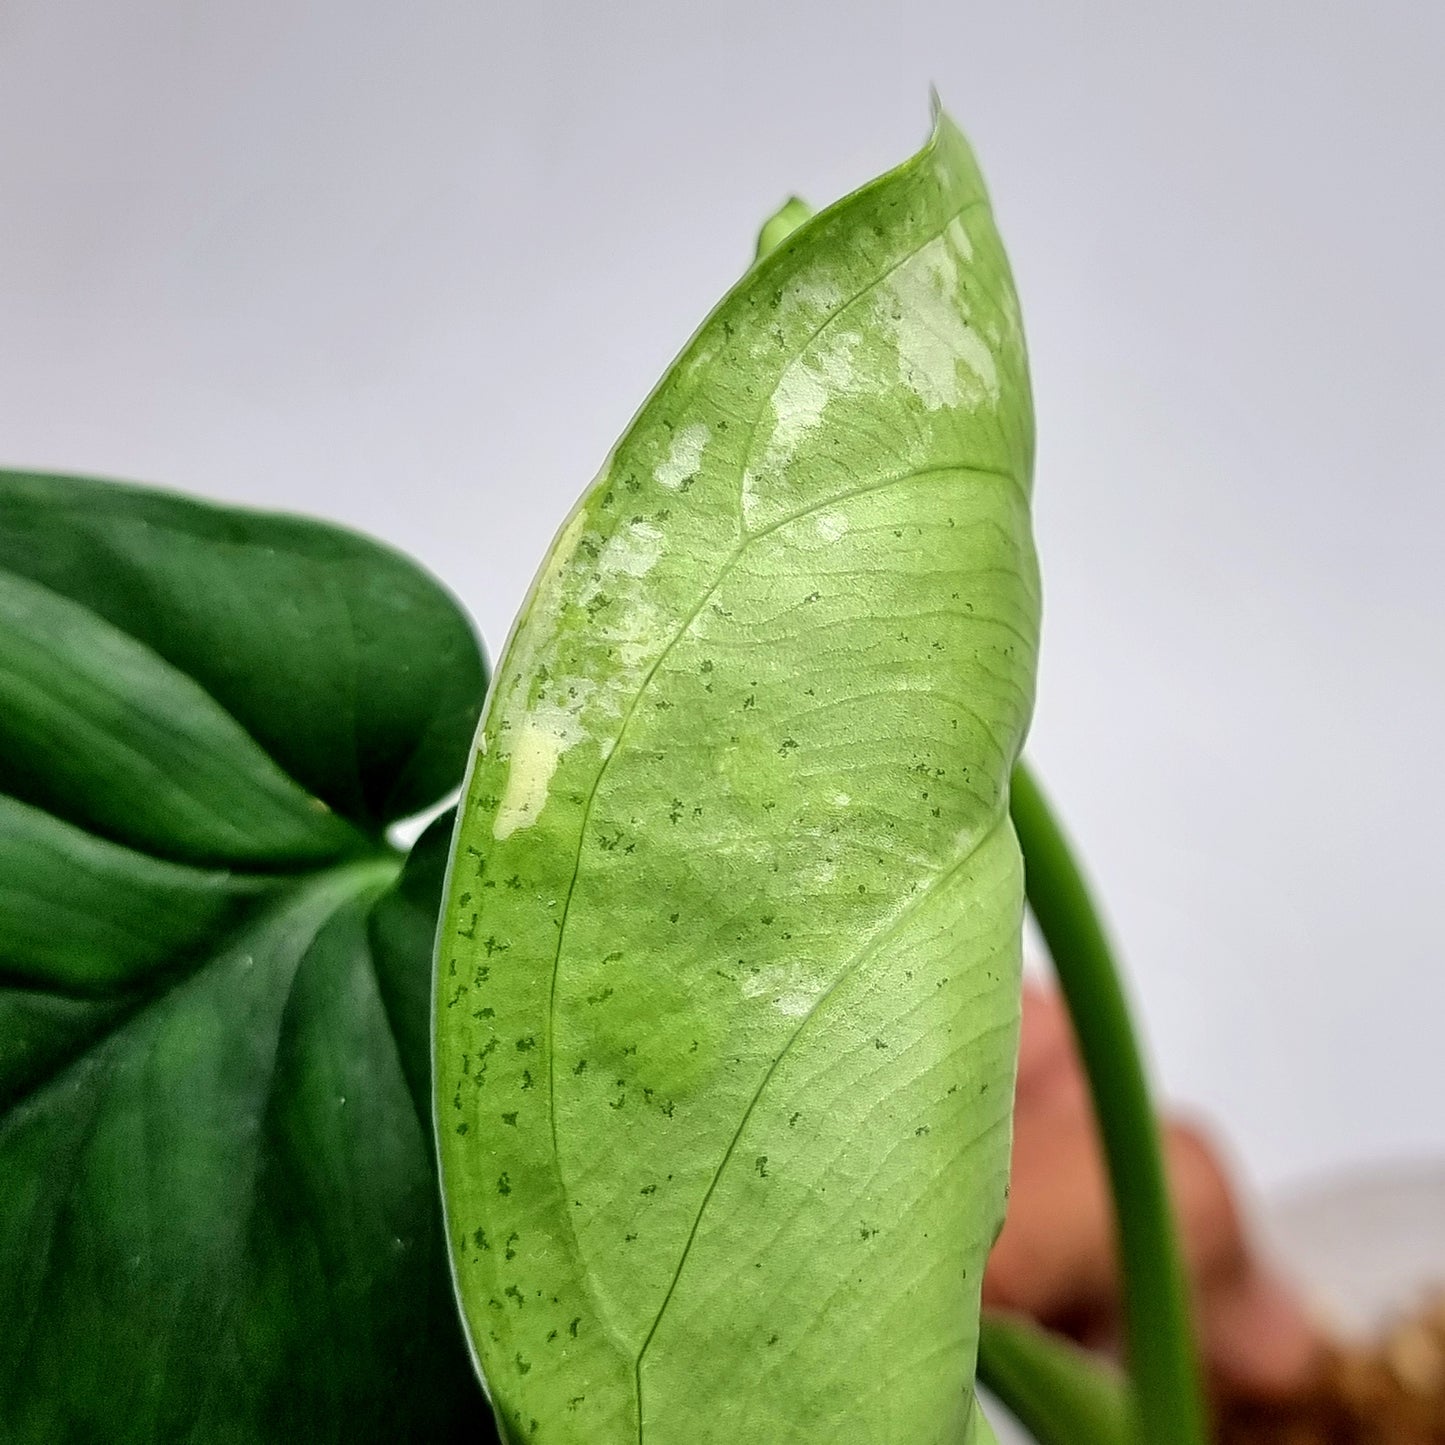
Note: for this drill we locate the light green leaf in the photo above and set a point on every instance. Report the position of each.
(727, 989)
(218, 1220)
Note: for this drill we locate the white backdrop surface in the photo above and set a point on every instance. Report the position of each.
(413, 266)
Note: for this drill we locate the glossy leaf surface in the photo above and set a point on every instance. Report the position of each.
(727, 977)
(217, 1204)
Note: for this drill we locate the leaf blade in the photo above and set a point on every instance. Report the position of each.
(307, 634)
(219, 1220)
(98, 729)
(767, 691)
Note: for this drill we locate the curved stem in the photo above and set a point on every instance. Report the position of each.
(1059, 1392)
(1160, 1340)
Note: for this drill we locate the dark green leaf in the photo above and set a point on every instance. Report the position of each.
(345, 662)
(218, 1219)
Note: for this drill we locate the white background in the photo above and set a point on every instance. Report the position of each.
(412, 266)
